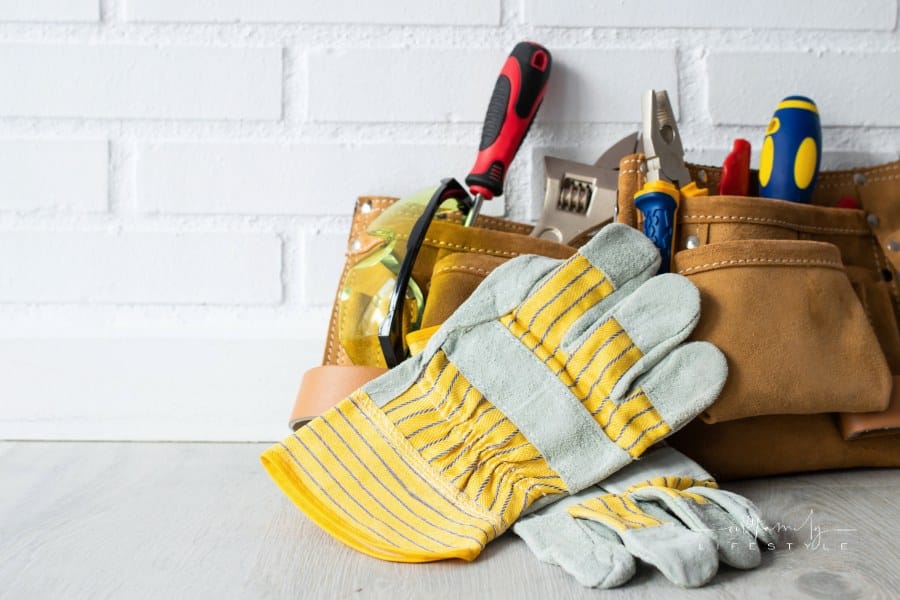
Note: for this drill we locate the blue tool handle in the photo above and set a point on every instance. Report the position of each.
(659, 222)
(791, 151)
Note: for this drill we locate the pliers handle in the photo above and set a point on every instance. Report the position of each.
(668, 178)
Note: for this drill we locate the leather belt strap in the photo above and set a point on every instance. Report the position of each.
(323, 387)
(871, 424)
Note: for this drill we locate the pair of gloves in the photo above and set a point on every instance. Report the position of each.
(552, 377)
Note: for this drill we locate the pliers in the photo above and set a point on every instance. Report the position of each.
(668, 178)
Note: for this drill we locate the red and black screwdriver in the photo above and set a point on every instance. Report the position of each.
(515, 101)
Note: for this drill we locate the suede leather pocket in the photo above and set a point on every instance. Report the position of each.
(875, 295)
(797, 337)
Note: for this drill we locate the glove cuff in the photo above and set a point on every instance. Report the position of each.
(354, 474)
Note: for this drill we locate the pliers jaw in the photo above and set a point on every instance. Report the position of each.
(663, 150)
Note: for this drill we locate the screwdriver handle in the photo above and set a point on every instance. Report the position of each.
(735, 180)
(658, 201)
(791, 151)
(517, 95)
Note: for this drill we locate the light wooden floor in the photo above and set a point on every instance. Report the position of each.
(144, 520)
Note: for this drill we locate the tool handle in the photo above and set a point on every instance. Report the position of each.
(517, 95)
(659, 206)
(792, 149)
(736, 170)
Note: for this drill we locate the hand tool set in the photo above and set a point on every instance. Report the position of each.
(482, 375)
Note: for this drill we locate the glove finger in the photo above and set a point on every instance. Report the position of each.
(501, 291)
(622, 252)
(537, 531)
(684, 557)
(607, 269)
(626, 260)
(649, 533)
(600, 563)
(591, 558)
(615, 564)
(631, 338)
(743, 510)
(735, 545)
(679, 387)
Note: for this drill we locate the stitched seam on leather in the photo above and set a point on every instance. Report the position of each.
(470, 249)
(443, 244)
(888, 167)
(885, 178)
(787, 224)
(454, 269)
(846, 183)
(502, 225)
(333, 328)
(772, 261)
(835, 184)
(894, 166)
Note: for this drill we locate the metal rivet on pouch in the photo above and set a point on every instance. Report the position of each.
(355, 245)
(692, 242)
(365, 208)
(702, 176)
(872, 220)
(859, 178)
(893, 245)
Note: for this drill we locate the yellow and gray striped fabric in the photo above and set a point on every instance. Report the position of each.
(524, 395)
(597, 364)
(616, 510)
(415, 482)
(621, 512)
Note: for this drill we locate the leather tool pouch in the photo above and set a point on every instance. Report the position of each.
(803, 300)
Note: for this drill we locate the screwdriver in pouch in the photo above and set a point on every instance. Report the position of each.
(517, 95)
(735, 180)
(791, 152)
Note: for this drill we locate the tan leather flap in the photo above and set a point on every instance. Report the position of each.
(323, 387)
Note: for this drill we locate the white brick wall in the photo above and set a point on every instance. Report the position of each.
(52, 267)
(42, 174)
(315, 179)
(140, 82)
(177, 176)
(59, 11)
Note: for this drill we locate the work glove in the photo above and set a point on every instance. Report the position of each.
(549, 378)
(664, 509)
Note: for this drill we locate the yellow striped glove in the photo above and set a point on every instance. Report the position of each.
(549, 378)
(664, 509)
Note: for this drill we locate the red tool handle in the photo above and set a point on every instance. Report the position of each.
(516, 98)
(736, 170)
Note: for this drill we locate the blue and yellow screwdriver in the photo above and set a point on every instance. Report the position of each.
(791, 151)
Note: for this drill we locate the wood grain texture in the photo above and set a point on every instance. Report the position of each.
(145, 520)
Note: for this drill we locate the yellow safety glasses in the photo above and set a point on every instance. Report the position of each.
(380, 302)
